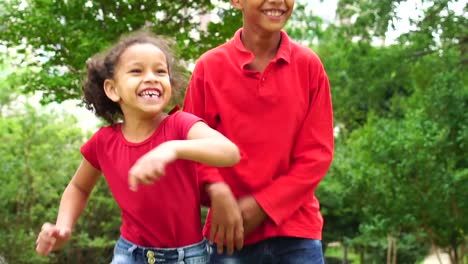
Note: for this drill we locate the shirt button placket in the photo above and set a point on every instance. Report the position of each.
(261, 86)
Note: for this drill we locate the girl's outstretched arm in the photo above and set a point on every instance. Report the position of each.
(72, 204)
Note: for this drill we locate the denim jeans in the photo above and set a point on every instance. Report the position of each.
(278, 250)
(125, 252)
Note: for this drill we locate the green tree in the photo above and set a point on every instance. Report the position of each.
(399, 169)
(59, 36)
(39, 154)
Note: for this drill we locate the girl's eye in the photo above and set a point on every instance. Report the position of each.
(161, 71)
(135, 70)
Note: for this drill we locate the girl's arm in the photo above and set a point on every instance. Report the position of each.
(203, 144)
(72, 204)
(207, 146)
(76, 194)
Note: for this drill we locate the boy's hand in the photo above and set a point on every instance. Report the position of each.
(151, 166)
(51, 238)
(252, 214)
(226, 219)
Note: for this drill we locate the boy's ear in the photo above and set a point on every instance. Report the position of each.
(111, 92)
(236, 4)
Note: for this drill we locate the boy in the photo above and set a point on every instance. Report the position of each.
(271, 97)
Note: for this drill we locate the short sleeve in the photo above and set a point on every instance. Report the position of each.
(183, 122)
(89, 150)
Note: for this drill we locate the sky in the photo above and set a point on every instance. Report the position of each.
(326, 9)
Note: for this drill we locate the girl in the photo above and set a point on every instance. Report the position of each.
(129, 86)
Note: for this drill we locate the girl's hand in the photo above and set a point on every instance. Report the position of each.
(151, 166)
(226, 219)
(51, 238)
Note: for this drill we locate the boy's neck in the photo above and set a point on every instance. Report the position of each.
(264, 47)
(138, 130)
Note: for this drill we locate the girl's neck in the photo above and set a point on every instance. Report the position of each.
(138, 130)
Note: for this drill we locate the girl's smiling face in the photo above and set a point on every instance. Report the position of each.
(141, 82)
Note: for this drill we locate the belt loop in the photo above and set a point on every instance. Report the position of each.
(131, 250)
(208, 249)
(181, 254)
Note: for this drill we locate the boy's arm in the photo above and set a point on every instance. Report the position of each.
(195, 103)
(226, 219)
(210, 147)
(312, 157)
(72, 204)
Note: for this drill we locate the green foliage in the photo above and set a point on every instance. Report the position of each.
(399, 168)
(219, 32)
(8, 91)
(367, 18)
(62, 35)
(38, 157)
(304, 27)
(407, 174)
(364, 78)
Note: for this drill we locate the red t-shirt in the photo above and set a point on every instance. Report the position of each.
(281, 119)
(164, 214)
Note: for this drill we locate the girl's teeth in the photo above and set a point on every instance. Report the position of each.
(274, 13)
(150, 94)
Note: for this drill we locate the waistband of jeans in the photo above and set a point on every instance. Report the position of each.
(178, 253)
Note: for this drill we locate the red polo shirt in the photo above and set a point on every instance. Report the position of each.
(281, 119)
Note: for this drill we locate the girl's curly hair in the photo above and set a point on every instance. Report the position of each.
(102, 66)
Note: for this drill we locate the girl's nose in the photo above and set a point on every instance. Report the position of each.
(150, 76)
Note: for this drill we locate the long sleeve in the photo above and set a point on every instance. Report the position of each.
(197, 103)
(311, 158)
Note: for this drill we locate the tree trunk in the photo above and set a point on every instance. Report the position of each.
(392, 250)
(389, 249)
(345, 254)
(454, 252)
(438, 255)
(362, 254)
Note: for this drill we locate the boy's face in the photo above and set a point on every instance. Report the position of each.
(265, 15)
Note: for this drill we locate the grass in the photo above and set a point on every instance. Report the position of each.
(336, 253)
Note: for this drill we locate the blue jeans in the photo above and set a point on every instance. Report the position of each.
(278, 250)
(125, 252)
